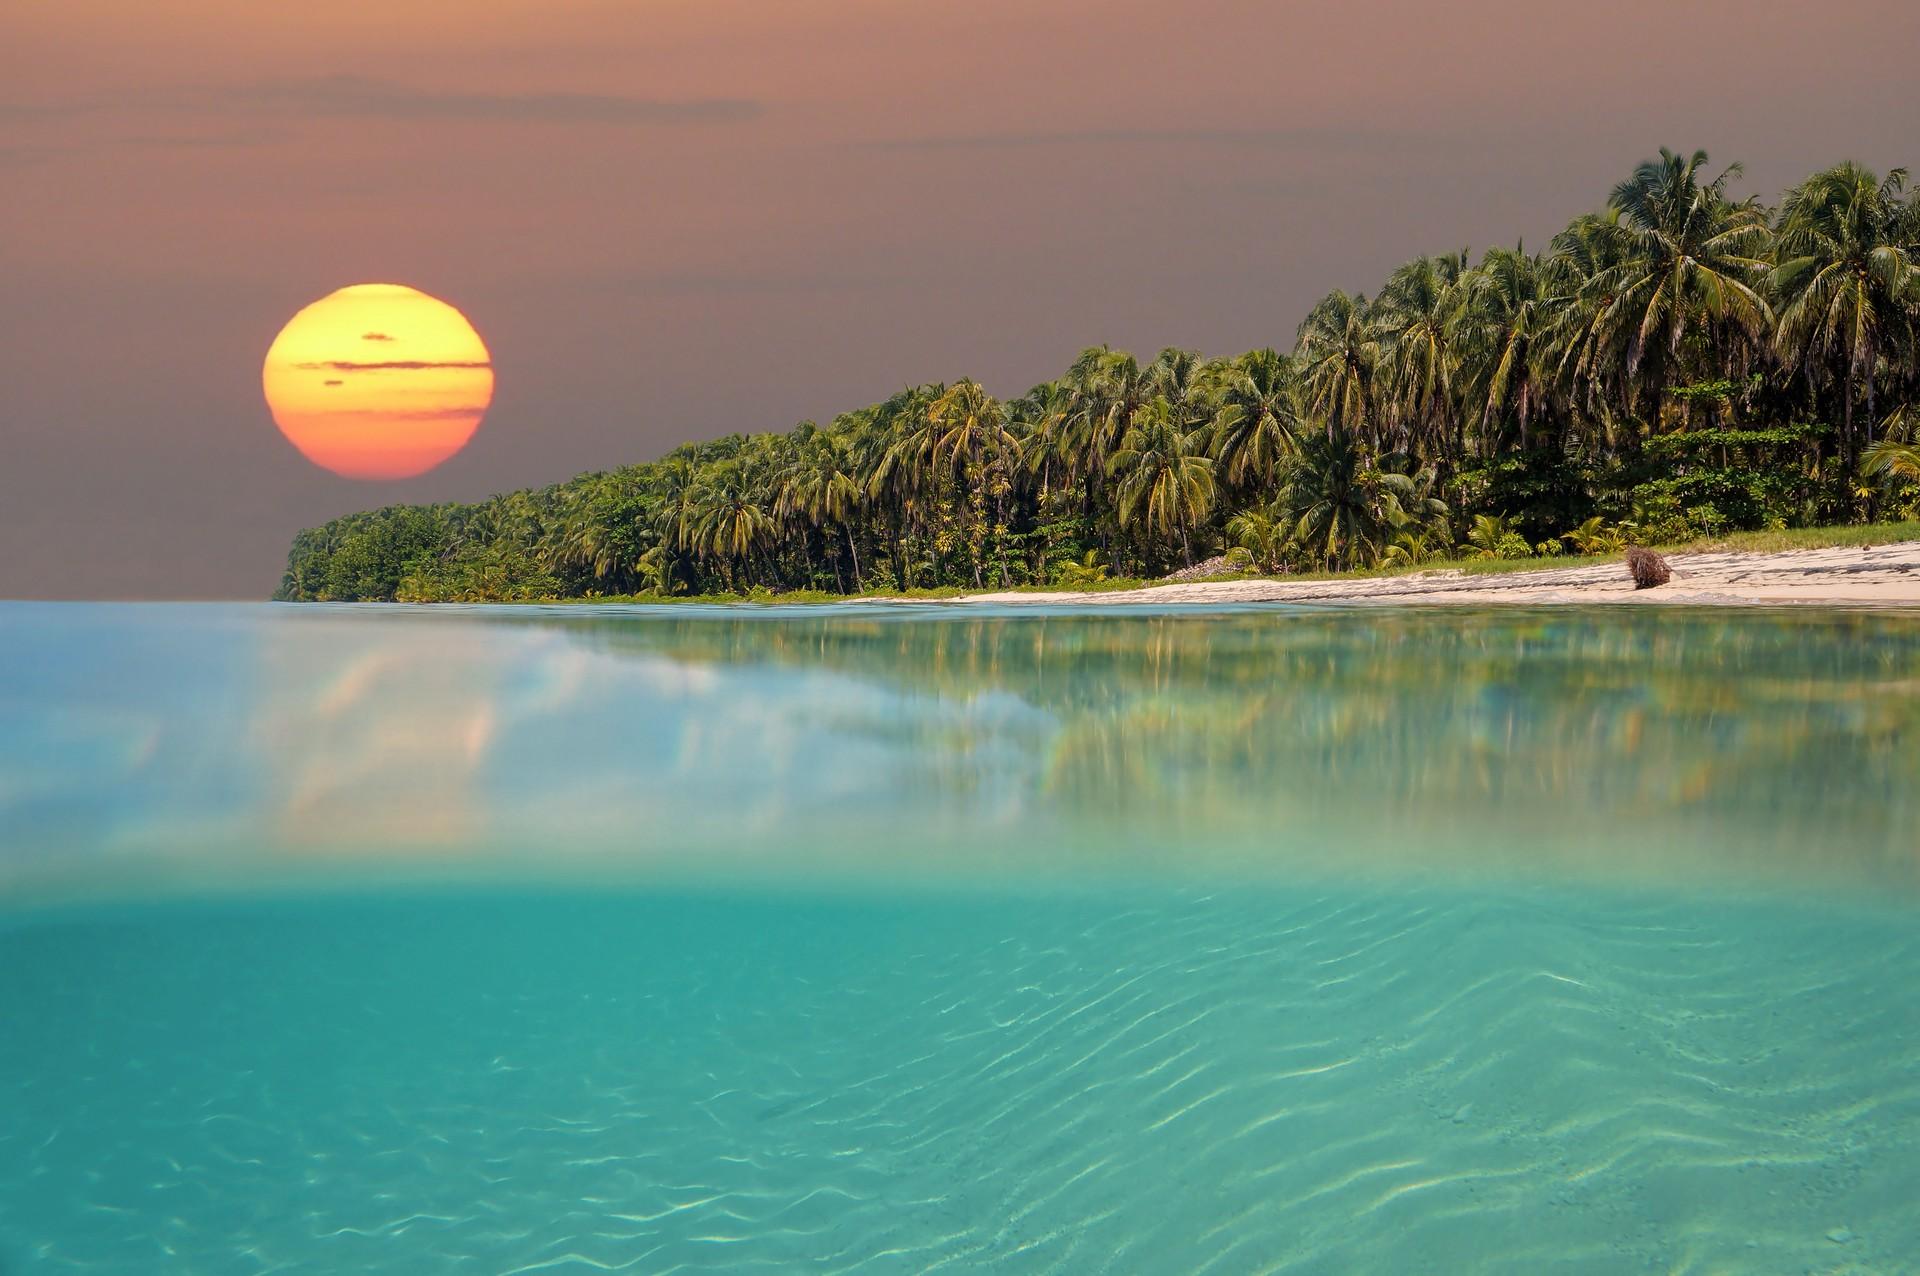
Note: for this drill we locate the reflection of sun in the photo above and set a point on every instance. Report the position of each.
(378, 381)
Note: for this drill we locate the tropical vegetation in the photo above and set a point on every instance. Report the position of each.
(1685, 362)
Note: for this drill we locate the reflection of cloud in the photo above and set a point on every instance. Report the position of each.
(375, 336)
(333, 383)
(383, 750)
(391, 365)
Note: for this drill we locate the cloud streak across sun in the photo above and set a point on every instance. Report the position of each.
(381, 418)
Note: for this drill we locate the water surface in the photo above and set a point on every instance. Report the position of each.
(924, 939)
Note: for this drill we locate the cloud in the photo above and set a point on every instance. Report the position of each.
(34, 112)
(375, 336)
(731, 283)
(1264, 138)
(58, 142)
(333, 383)
(351, 95)
(458, 412)
(242, 137)
(394, 365)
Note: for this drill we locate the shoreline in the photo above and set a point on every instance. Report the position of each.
(1852, 576)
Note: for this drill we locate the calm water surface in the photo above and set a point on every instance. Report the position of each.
(917, 939)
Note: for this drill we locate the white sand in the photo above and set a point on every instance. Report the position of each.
(1884, 575)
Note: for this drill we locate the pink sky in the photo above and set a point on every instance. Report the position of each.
(671, 219)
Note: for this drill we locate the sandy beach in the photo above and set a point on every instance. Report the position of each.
(1874, 575)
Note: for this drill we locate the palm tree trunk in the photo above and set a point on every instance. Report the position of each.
(1846, 413)
(854, 551)
(1870, 412)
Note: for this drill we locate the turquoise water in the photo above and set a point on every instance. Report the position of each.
(926, 939)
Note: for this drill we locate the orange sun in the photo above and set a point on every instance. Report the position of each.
(378, 381)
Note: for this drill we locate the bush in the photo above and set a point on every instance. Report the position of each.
(1721, 480)
(1538, 491)
(1091, 569)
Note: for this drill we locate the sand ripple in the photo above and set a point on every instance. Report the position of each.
(1307, 1080)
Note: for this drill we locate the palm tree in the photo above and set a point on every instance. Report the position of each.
(1039, 419)
(677, 480)
(1164, 481)
(727, 522)
(820, 487)
(1495, 536)
(1415, 321)
(1500, 329)
(1846, 276)
(1571, 358)
(969, 426)
(1685, 289)
(1262, 534)
(1337, 355)
(1257, 423)
(1584, 346)
(907, 471)
(1185, 381)
(1892, 461)
(1344, 507)
(974, 442)
(1107, 388)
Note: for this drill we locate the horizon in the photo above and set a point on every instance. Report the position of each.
(711, 222)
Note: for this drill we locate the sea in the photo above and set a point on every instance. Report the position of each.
(904, 938)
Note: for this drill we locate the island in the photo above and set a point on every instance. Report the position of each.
(1686, 368)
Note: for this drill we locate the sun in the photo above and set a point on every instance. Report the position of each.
(378, 381)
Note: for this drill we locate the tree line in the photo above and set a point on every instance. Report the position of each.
(1684, 362)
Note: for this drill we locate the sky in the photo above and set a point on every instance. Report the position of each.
(675, 219)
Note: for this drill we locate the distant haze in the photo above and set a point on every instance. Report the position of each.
(676, 219)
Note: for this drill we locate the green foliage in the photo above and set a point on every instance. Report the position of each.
(1683, 363)
(1087, 570)
(1538, 491)
(1730, 478)
(1597, 536)
(1492, 536)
